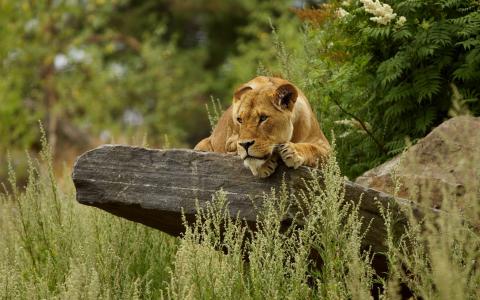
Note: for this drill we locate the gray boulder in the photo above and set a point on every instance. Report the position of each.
(445, 162)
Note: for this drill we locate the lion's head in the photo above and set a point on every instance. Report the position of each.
(263, 115)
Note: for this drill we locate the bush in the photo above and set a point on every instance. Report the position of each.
(382, 76)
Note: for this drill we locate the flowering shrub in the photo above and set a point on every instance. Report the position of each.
(391, 70)
(383, 13)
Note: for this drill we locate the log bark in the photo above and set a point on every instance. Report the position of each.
(153, 187)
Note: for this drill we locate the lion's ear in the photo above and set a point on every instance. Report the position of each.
(240, 91)
(286, 96)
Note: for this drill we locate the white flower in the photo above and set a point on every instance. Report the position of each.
(77, 55)
(31, 25)
(60, 62)
(12, 56)
(383, 13)
(401, 21)
(118, 70)
(346, 3)
(341, 13)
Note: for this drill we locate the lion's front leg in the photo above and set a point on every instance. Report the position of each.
(295, 155)
(204, 145)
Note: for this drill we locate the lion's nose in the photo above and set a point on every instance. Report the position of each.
(247, 144)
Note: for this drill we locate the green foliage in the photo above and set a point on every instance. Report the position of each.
(115, 68)
(398, 79)
(256, 47)
(69, 62)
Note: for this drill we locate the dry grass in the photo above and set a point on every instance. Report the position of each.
(52, 247)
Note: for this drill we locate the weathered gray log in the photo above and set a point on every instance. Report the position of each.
(152, 187)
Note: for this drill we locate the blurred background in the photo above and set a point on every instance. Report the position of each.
(142, 72)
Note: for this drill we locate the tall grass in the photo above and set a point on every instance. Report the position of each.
(271, 263)
(52, 247)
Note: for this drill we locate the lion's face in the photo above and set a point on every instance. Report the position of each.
(264, 117)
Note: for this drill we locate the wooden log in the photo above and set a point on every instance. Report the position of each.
(152, 187)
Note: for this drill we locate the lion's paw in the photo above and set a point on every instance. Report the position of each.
(290, 155)
(267, 168)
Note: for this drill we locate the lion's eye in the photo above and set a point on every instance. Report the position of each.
(239, 120)
(263, 118)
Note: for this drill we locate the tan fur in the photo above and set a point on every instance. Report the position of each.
(290, 132)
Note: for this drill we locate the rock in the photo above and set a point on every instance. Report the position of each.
(445, 162)
(153, 187)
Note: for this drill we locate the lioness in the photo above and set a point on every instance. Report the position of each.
(269, 119)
